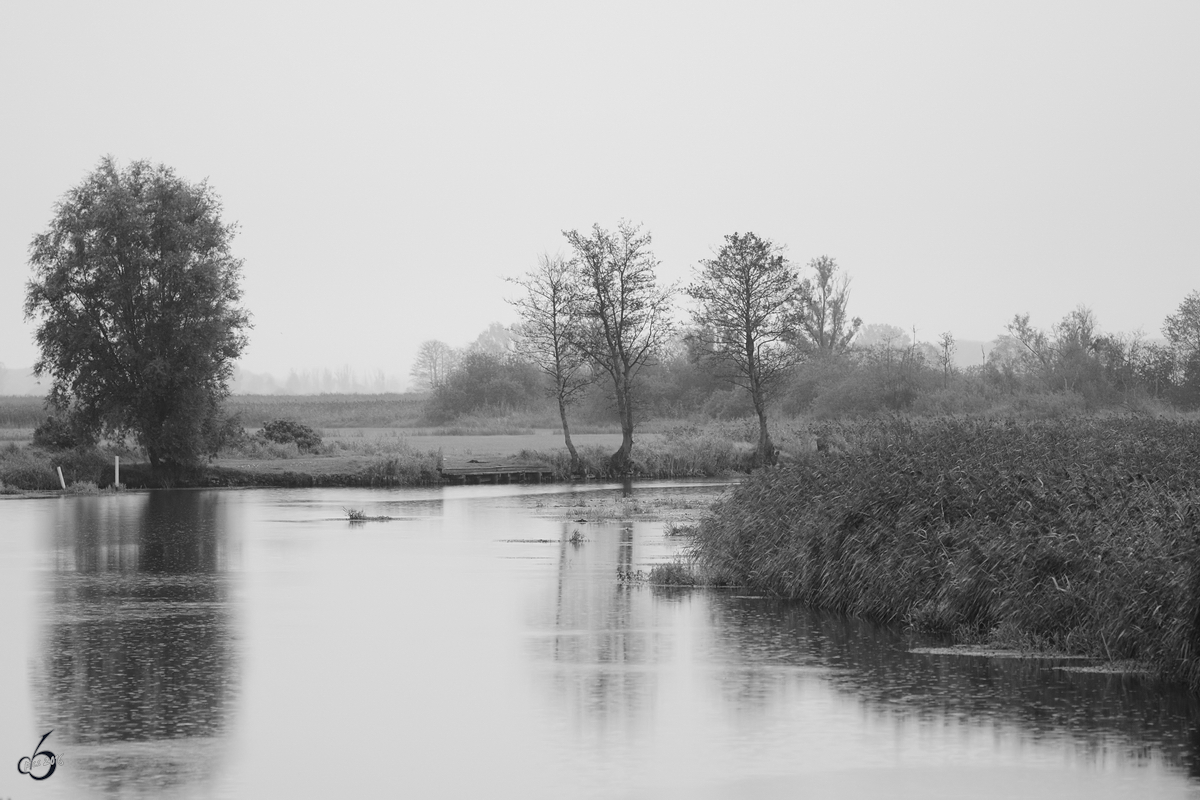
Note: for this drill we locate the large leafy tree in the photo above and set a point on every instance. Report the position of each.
(136, 294)
(745, 299)
(625, 315)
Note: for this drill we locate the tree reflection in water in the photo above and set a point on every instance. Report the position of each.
(599, 631)
(139, 647)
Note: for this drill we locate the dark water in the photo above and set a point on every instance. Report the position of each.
(257, 644)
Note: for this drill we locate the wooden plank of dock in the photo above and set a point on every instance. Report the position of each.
(468, 470)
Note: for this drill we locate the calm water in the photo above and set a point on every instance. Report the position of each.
(256, 644)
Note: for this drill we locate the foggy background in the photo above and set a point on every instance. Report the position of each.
(390, 164)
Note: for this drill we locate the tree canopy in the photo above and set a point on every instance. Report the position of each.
(746, 298)
(1182, 330)
(822, 314)
(136, 293)
(548, 332)
(434, 364)
(625, 315)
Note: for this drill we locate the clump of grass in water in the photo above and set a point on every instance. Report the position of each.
(679, 529)
(1070, 535)
(672, 573)
(577, 538)
(629, 577)
(358, 515)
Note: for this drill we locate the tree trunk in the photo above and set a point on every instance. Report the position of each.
(164, 472)
(766, 448)
(562, 412)
(620, 461)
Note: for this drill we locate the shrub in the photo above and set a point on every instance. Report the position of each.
(60, 432)
(28, 469)
(728, 404)
(286, 431)
(228, 434)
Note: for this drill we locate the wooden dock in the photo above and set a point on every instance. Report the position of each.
(473, 471)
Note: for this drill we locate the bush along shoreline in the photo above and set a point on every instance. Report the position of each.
(1078, 536)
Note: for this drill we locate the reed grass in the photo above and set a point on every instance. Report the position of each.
(31, 468)
(672, 573)
(1075, 535)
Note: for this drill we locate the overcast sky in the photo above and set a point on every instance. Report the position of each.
(390, 163)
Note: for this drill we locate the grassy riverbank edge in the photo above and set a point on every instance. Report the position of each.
(1078, 536)
(30, 469)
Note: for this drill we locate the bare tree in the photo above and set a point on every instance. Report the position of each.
(625, 315)
(745, 297)
(882, 335)
(945, 356)
(548, 332)
(435, 361)
(1038, 350)
(496, 340)
(822, 309)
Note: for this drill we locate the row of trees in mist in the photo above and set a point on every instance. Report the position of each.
(601, 315)
(344, 380)
(599, 334)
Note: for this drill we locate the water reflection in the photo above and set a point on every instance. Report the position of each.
(762, 660)
(1105, 715)
(599, 629)
(139, 640)
(474, 633)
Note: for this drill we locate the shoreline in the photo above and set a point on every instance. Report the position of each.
(1054, 538)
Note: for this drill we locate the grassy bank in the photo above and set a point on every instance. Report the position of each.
(385, 459)
(680, 451)
(34, 469)
(1079, 535)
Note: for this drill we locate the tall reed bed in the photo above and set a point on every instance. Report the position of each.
(1076, 535)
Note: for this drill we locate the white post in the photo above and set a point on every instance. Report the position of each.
(116, 472)
(60, 478)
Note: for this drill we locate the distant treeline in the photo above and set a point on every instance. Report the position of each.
(316, 381)
(1030, 372)
(1073, 367)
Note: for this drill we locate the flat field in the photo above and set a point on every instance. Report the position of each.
(471, 444)
(375, 442)
(17, 436)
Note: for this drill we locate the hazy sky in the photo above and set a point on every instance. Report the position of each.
(389, 163)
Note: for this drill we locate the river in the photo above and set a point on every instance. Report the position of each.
(256, 643)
